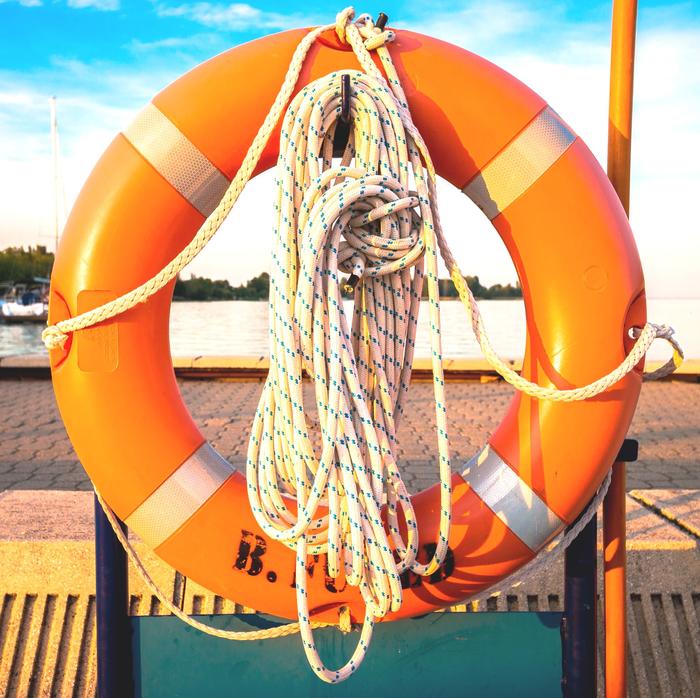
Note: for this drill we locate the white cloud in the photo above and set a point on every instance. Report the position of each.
(232, 17)
(24, 3)
(95, 101)
(194, 41)
(476, 24)
(102, 5)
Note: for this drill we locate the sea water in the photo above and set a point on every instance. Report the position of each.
(239, 328)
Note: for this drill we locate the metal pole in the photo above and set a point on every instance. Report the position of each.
(114, 662)
(54, 158)
(615, 583)
(624, 24)
(580, 615)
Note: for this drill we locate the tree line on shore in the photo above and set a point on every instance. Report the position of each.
(448, 290)
(19, 264)
(198, 289)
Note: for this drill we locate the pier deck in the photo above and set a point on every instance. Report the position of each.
(36, 453)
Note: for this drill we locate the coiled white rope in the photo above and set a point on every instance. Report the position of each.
(366, 220)
(373, 216)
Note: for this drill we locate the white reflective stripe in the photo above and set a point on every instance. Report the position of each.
(499, 486)
(177, 159)
(520, 164)
(180, 496)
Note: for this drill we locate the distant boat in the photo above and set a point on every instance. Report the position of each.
(26, 302)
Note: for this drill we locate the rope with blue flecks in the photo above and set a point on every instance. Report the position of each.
(371, 216)
(374, 217)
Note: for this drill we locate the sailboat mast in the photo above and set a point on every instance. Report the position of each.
(54, 156)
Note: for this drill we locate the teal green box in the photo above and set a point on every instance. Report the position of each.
(483, 655)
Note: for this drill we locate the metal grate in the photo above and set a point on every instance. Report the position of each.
(47, 642)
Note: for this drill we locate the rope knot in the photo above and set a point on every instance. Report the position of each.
(378, 39)
(374, 36)
(663, 331)
(381, 231)
(364, 26)
(53, 338)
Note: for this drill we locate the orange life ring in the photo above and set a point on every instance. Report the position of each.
(493, 138)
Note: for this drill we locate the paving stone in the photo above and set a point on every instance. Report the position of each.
(22, 467)
(679, 506)
(35, 451)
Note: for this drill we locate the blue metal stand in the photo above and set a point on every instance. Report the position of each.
(579, 626)
(579, 622)
(124, 644)
(114, 658)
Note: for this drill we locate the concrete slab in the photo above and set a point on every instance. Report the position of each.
(681, 507)
(25, 361)
(647, 530)
(38, 515)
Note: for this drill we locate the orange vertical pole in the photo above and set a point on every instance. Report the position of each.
(624, 23)
(615, 585)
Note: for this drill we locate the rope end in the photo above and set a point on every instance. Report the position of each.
(351, 283)
(53, 338)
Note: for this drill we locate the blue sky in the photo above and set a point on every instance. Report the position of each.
(106, 58)
(121, 31)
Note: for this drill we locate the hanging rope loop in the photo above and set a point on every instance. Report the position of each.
(665, 332)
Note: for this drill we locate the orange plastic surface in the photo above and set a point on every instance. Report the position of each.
(568, 237)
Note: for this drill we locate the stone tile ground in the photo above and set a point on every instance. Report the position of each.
(35, 452)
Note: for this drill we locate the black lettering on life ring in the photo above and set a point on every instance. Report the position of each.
(252, 547)
(328, 582)
(310, 567)
(250, 550)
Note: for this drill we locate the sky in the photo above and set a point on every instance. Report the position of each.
(105, 59)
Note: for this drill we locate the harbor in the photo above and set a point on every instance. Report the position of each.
(376, 374)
